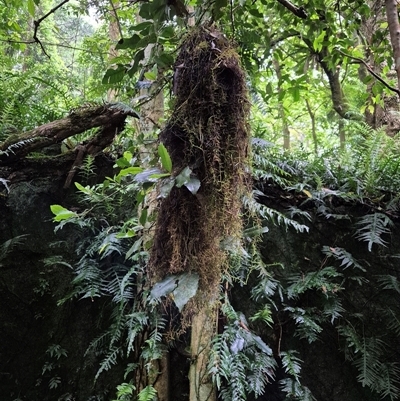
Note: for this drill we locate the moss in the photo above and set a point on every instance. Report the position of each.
(208, 132)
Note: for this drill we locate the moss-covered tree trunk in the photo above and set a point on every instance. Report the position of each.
(206, 135)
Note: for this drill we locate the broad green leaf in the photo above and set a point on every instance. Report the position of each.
(114, 75)
(150, 75)
(130, 171)
(146, 175)
(317, 44)
(31, 7)
(163, 288)
(129, 43)
(166, 187)
(61, 213)
(218, 6)
(136, 62)
(141, 26)
(164, 60)
(183, 177)
(167, 32)
(165, 157)
(296, 93)
(261, 345)
(85, 190)
(193, 185)
(186, 289)
(143, 217)
(127, 234)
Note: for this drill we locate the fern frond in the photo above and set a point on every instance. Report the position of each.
(109, 361)
(272, 215)
(372, 227)
(389, 282)
(340, 254)
(320, 280)
(9, 245)
(291, 363)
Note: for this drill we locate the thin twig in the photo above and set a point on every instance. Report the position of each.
(371, 71)
(40, 20)
(115, 15)
(30, 42)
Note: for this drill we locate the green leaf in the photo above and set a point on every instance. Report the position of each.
(193, 185)
(163, 288)
(129, 43)
(317, 44)
(130, 171)
(188, 284)
(31, 7)
(61, 213)
(143, 217)
(165, 158)
(147, 394)
(218, 6)
(296, 93)
(182, 287)
(165, 189)
(183, 177)
(114, 75)
(165, 60)
(150, 75)
(148, 175)
(141, 26)
(86, 190)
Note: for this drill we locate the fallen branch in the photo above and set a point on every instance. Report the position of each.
(111, 117)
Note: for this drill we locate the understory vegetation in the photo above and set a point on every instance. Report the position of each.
(340, 292)
(262, 177)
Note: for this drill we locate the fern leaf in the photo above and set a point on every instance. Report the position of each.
(389, 282)
(340, 254)
(372, 227)
(147, 394)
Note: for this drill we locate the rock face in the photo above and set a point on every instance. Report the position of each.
(43, 344)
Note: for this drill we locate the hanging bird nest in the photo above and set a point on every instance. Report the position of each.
(207, 132)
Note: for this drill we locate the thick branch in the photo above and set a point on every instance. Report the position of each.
(109, 116)
(297, 11)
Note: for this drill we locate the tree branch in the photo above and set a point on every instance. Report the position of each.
(298, 11)
(111, 117)
(371, 71)
(40, 20)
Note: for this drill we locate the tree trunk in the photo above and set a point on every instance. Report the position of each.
(281, 110)
(208, 134)
(313, 129)
(394, 29)
(204, 328)
(342, 134)
(114, 35)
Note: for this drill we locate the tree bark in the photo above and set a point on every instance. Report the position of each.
(394, 29)
(204, 327)
(281, 110)
(313, 129)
